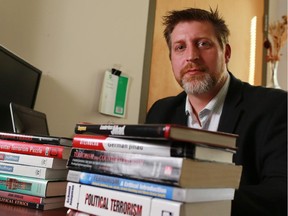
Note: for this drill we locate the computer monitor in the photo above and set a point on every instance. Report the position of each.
(28, 121)
(19, 83)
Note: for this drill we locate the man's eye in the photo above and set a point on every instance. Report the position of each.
(204, 44)
(179, 47)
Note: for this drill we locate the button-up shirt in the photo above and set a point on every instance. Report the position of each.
(209, 116)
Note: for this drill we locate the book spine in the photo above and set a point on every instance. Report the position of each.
(19, 184)
(122, 184)
(21, 197)
(155, 131)
(164, 207)
(31, 160)
(151, 189)
(101, 201)
(30, 138)
(154, 168)
(159, 148)
(28, 171)
(172, 208)
(31, 148)
(22, 203)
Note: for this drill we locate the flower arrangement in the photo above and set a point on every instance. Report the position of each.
(278, 35)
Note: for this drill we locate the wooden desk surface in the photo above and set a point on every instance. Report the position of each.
(12, 210)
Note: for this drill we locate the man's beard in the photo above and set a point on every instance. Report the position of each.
(198, 84)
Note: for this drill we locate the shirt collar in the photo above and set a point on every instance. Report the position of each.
(215, 103)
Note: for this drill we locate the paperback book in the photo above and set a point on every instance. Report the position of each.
(32, 205)
(33, 171)
(37, 149)
(31, 160)
(65, 141)
(151, 189)
(182, 172)
(160, 131)
(30, 198)
(32, 186)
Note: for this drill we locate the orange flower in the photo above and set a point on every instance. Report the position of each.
(278, 36)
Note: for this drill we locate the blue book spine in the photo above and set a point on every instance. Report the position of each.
(122, 184)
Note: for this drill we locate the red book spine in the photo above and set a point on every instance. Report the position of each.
(32, 148)
(167, 130)
(86, 141)
(22, 197)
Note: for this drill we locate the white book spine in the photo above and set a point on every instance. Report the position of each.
(33, 160)
(100, 201)
(33, 171)
(164, 207)
(125, 145)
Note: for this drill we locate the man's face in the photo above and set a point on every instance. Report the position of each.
(198, 61)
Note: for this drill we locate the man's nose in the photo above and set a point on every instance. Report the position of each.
(192, 54)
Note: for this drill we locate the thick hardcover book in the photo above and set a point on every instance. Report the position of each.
(32, 160)
(159, 148)
(171, 208)
(182, 172)
(101, 201)
(55, 151)
(65, 141)
(32, 186)
(33, 171)
(32, 205)
(160, 131)
(30, 198)
(151, 189)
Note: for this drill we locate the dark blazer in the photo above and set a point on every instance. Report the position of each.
(259, 116)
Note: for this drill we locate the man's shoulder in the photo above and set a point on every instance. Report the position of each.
(263, 93)
(168, 110)
(255, 94)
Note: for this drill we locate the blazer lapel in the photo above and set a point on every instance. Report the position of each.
(180, 116)
(232, 111)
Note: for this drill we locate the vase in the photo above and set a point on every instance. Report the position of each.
(273, 69)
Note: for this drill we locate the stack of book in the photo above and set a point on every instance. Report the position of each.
(33, 170)
(151, 170)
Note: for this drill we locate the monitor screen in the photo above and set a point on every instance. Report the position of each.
(28, 121)
(19, 82)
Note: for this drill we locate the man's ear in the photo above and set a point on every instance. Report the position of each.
(227, 53)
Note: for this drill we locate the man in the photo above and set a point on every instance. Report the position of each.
(214, 99)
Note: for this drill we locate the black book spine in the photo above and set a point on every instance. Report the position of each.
(183, 149)
(151, 131)
(22, 203)
(137, 166)
(36, 139)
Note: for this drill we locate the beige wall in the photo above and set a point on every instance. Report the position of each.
(73, 42)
